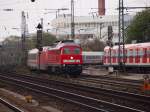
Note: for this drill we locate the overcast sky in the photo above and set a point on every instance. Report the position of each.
(36, 10)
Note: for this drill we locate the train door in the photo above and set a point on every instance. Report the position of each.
(125, 57)
(119, 58)
(130, 56)
(114, 57)
(106, 57)
(137, 57)
(144, 59)
(149, 54)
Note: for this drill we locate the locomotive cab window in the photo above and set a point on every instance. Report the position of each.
(66, 51)
(76, 51)
(71, 51)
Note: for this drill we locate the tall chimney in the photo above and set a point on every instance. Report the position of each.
(101, 7)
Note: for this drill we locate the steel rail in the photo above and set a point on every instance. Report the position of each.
(85, 75)
(90, 103)
(105, 82)
(10, 106)
(51, 81)
(91, 89)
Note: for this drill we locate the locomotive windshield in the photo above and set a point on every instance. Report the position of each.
(66, 51)
(71, 51)
(76, 51)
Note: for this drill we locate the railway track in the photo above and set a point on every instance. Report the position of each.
(10, 106)
(87, 101)
(85, 75)
(133, 86)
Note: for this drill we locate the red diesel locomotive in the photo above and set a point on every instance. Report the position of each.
(64, 57)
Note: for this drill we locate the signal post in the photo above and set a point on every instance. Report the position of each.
(39, 41)
(110, 44)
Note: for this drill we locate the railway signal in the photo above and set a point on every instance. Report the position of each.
(39, 41)
(32, 0)
(39, 37)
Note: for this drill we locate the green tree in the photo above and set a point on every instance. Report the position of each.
(47, 40)
(139, 29)
(94, 45)
(11, 40)
(31, 41)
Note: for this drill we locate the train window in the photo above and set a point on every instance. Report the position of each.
(76, 51)
(66, 51)
(134, 53)
(131, 52)
(32, 56)
(140, 53)
(148, 51)
(105, 53)
(114, 53)
(121, 53)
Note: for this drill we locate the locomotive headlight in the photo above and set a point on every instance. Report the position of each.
(64, 65)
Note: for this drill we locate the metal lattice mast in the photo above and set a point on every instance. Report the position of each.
(23, 36)
(72, 20)
(121, 35)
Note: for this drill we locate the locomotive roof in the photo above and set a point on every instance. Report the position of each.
(32, 51)
(63, 43)
(55, 46)
(59, 45)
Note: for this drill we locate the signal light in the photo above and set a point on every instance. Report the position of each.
(32, 0)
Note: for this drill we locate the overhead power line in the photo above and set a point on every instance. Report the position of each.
(128, 8)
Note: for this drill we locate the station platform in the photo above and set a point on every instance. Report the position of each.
(104, 72)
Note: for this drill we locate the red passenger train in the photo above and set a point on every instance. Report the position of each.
(136, 56)
(64, 57)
